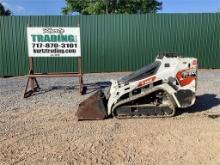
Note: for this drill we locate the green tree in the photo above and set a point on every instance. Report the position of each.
(4, 11)
(88, 7)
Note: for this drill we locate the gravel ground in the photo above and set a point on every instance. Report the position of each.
(43, 128)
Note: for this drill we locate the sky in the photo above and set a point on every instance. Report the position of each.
(53, 7)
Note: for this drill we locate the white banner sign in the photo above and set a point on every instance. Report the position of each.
(54, 41)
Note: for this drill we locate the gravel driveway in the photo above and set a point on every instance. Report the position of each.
(43, 129)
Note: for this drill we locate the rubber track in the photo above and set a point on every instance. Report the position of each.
(146, 110)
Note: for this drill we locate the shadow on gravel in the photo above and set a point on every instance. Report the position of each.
(52, 88)
(88, 88)
(92, 87)
(203, 103)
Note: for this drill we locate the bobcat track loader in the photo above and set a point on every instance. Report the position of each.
(155, 90)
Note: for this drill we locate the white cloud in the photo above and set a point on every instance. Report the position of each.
(6, 5)
(16, 9)
(19, 9)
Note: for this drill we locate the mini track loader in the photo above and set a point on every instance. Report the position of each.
(152, 91)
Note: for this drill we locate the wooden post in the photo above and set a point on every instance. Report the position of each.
(32, 81)
(31, 71)
(79, 63)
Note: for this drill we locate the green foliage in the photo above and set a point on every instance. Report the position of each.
(3, 11)
(88, 7)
